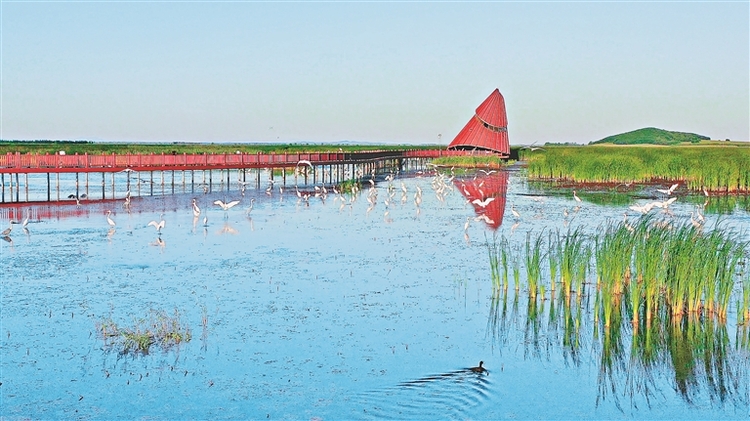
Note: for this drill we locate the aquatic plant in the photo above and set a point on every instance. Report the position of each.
(472, 161)
(573, 259)
(715, 168)
(533, 259)
(494, 255)
(643, 268)
(157, 327)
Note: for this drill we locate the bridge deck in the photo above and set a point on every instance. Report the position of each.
(33, 163)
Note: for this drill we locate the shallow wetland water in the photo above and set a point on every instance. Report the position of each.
(318, 310)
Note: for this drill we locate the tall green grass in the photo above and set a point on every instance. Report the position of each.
(716, 168)
(649, 269)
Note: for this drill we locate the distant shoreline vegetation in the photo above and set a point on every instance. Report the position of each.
(652, 136)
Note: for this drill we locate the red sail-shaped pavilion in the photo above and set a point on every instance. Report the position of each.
(488, 129)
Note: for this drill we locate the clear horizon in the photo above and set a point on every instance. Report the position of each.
(392, 73)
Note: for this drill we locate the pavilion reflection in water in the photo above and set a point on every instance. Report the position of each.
(486, 193)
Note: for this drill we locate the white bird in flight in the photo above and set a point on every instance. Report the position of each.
(226, 206)
(483, 203)
(670, 190)
(158, 225)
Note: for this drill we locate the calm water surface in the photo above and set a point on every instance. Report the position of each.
(318, 311)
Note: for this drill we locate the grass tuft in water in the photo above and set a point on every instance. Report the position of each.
(157, 328)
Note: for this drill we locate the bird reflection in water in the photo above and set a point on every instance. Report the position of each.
(159, 242)
(228, 229)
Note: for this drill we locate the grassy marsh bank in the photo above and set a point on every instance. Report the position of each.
(723, 168)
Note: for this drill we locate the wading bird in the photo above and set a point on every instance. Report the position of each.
(483, 203)
(6, 232)
(110, 221)
(670, 190)
(158, 225)
(226, 206)
(575, 196)
(514, 211)
(196, 209)
(251, 206)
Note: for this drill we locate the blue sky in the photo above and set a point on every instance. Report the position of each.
(389, 72)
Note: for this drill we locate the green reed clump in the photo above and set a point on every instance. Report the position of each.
(499, 255)
(613, 252)
(533, 259)
(687, 270)
(494, 255)
(716, 168)
(553, 260)
(516, 272)
(471, 161)
(649, 258)
(652, 268)
(744, 308)
(573, 257)
(157, 328)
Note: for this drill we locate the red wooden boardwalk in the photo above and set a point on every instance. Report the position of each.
(32, 163)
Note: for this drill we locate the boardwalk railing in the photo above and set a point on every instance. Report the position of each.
(33, 163)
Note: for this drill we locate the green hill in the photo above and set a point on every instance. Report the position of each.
(652, 136)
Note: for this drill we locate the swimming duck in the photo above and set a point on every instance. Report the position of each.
(479, 369)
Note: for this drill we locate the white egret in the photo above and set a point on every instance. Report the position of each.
(483, 203)
(110, 221)
(196, 209)
(696, 223)
(26, 220)
(251, 206)
(575, 196)
(699, 216)
(466, 225)
(644, 209)
(226, 206)
(670, 190)
(514, 211)
(158, 225)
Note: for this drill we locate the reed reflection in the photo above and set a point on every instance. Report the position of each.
(648, 335)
